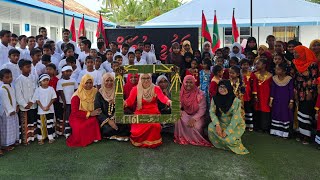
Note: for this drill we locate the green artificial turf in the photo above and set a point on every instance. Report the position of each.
(269, 158)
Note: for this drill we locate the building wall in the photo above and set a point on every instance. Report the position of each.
(14, 18)
(309, 33)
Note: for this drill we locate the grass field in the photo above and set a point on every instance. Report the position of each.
(269, 158)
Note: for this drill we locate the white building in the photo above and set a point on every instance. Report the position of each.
(285, 19)
(26, 16)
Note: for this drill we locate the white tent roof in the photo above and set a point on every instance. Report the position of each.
(265, 13)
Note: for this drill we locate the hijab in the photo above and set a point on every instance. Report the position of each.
(210, 51)
(128, 86)
(176, 59)
(312, 44)
(239, 55)
(224, 102)
(86, 96)
(190, 98)
(186, 42)
(168, 88)
(108, 94)
(306, 58)
(144, 93)
(249, 49)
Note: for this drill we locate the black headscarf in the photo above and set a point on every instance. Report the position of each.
(254, 49)
(224, 102)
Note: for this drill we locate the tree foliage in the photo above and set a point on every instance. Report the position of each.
(315, 1)
(135, 12)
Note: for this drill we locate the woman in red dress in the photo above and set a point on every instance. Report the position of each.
(83, 121)
(146, 95)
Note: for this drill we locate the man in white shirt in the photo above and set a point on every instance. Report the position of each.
(24, 51)
(54, 54)
(4, 46)
(139, 60)
(124, 54)
(13, 40)
(13, 64)
(85, 47)
(43, 32)
(65, 40)
(149, 56)
(31, 41)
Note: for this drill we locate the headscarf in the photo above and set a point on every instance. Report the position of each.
(312, 44)
(265, 48)
(210, 51)
(239, 55)
(190, 99)
(108, 94)
(254, 49)
(186, 42)
(306, 58)
(149, 91)
(164, 77)
(224, 102)
(128, 86)
(175, 59)
(86, 96)
(289, 56)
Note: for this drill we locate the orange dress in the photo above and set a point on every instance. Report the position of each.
(146, 135)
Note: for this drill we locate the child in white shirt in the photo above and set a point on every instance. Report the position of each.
(9, 122)
(25, 87)
(45, 97)
(66, 87)
(13, 66)
(98, 66)
(90, 70)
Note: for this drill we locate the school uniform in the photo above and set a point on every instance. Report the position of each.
(24, 54)
(45, 122)
(140, 62)
(68, 87)
(9, 124)
(59, 43)
(101, 70)
(107, 66)
(25, 87)
(64, 62)
(38, 69)
(95, 74)
(14, 68)
(4, 54)
(150, 57)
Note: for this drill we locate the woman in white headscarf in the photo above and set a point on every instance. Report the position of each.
(236, 51)
(206, 47)
(164, 84)
(146, 95)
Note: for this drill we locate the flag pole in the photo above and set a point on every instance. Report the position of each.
(201, 39)
(251, 15)
(64, 15)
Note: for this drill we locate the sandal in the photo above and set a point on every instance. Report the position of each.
(250, 129)
(8, 148)
(305, 142)
(41, 142)
(51, 141)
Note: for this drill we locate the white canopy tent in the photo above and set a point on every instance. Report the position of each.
(265, 13)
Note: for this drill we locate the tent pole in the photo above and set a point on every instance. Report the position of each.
(251, 18)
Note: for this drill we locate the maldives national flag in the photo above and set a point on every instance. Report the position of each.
(215, 37)
(101, 32)
(205, 33)
(235, 32)
(72, 35)
(82, 29)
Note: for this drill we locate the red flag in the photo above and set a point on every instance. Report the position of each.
(82, 29)
(215, 37)
(205, 30)
(101, 32)
(235, 32)
(72, 35)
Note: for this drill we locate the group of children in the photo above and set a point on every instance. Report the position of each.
(39, 78)
(277, 97)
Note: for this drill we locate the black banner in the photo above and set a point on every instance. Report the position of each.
(162, 38)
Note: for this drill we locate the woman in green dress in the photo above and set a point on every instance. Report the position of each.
(227, 124)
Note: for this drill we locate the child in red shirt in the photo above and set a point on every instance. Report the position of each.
(248, 109)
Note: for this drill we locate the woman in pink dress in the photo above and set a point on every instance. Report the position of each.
(189, 130)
